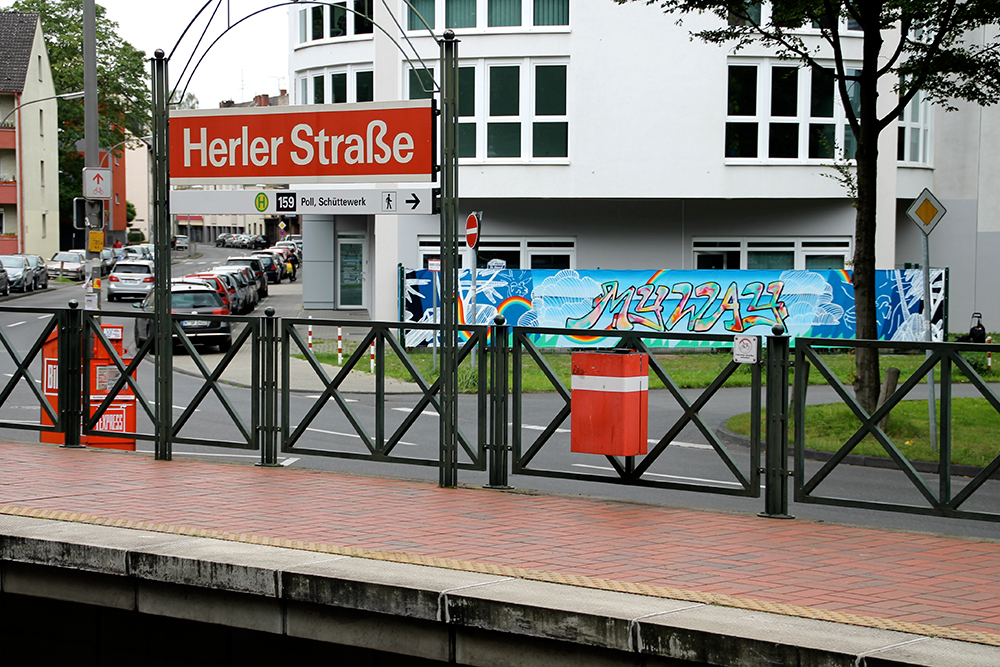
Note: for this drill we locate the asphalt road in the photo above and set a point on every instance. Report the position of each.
(690, 460)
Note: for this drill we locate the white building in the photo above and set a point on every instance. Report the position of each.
(29, 159)
(597, 135)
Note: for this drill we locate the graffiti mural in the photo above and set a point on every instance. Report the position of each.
(817, 304)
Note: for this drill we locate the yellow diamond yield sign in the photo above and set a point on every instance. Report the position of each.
(926, 211)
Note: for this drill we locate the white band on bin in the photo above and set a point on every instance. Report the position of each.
(608, 383)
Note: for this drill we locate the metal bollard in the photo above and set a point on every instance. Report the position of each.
(776, 455)
(499, 366)
(70, 371)
(268, 427)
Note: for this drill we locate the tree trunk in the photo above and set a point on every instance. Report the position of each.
(866, 384)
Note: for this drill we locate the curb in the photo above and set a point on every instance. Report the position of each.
(730, 438)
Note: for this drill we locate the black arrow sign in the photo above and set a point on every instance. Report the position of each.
(415, 201)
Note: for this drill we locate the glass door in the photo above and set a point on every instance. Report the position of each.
(352, 261)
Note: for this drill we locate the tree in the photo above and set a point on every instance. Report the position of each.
(129, 212)
(916, 45)
(189, 101)
(122, 83)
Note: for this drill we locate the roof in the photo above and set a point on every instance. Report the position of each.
(17, 36)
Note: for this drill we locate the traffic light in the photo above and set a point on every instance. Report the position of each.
(88, 213)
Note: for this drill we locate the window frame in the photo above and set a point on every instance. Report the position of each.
(801, 246)
(482, 19)
(307, 85)
(804, 120)
(428, 246)
(350, 34)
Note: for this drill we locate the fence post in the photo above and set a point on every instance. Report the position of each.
(70, 354)
(776, 454)
(269, 389)
(499, 367)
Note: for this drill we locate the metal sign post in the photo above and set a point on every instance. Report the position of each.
(926, 211)
(449, 259)
(161, 268)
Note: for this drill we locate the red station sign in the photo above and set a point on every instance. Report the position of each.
(369, 142)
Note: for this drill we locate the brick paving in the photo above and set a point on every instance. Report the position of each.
(806, 568)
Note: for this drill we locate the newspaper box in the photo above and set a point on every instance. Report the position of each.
(610, 392)
(120, 415)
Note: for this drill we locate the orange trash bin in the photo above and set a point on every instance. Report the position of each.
(610, 393)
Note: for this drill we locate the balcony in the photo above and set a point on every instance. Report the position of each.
(9, 244)
(8, 137)
(8, 192)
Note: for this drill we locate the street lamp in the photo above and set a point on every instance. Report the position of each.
(65, 96)
(144, 140)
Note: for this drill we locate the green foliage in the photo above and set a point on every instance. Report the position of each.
(135, 236)
(129, 212)
(122, 84)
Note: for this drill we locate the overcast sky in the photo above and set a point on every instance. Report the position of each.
(250, 60)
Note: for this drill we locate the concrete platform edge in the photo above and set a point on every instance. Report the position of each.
(476, 618)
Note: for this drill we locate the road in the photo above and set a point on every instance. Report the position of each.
(689, 460)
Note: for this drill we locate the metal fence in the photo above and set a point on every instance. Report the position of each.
(502, 428)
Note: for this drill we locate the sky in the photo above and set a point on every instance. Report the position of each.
(250, 60)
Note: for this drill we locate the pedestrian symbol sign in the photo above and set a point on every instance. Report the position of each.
(389, 201)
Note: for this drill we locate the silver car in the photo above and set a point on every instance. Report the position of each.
(69, 264)
(132, 278)
(20, 272)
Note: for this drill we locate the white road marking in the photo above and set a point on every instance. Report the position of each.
(425, 412)
(653, 474)
(684, 445)
(175, 407)
(229, 456)
(346, 400)
(353, 435)
(16, 324)
(43, 317)
(533, 427)
(290, 461)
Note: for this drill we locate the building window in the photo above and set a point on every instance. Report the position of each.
(528, 252)
(504, 13)
(303, 19)
(550, 137)
(780, 254)
(316, 22)
(460, 13)
(117, 199)
(338, 88)
(745, 15)
(551, 12)
(364, 86)
(318, 90)
(466, 110)
(45, 223)
(780, 112)
(426, 10)
(421, 84)
(465, 14)
(338, 19)
(304, 91)
(41, 122)
(40, 70)
(363, 17)
(41, 172)
(4, 230)
(914, 132)
(503, 131)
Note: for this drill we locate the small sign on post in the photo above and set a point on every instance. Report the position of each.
(97, 183)
(746, 349)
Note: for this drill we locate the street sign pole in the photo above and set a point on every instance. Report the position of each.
(448, 477)
(161, 267)
(926, 211)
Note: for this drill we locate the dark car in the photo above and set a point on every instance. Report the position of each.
(204, 312)
(4, 282)
(258, 242)
(41, 270)
(258, 271)
(20, 272)
(271, 268)
(108, 261)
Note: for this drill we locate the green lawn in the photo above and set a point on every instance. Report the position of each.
(975, 425)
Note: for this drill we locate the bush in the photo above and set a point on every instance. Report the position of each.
(135, 237)
(978, 361)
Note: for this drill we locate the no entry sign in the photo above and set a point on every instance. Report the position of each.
(472, 229)
(369, 142)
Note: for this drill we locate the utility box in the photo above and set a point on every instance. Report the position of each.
(610, 392)
(120, 415)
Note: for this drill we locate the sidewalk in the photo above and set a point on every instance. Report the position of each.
(923, 584)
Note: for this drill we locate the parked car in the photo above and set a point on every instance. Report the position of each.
(131, 277)
(41, 271)
(20, 272)
(107, 261)
(274, 268)
(245, 286)
(220, 240)
(136, 252)
(4, 282)
(194, 301)
(258, 271)
(180, 242)
(68, 263)
(217, 282)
